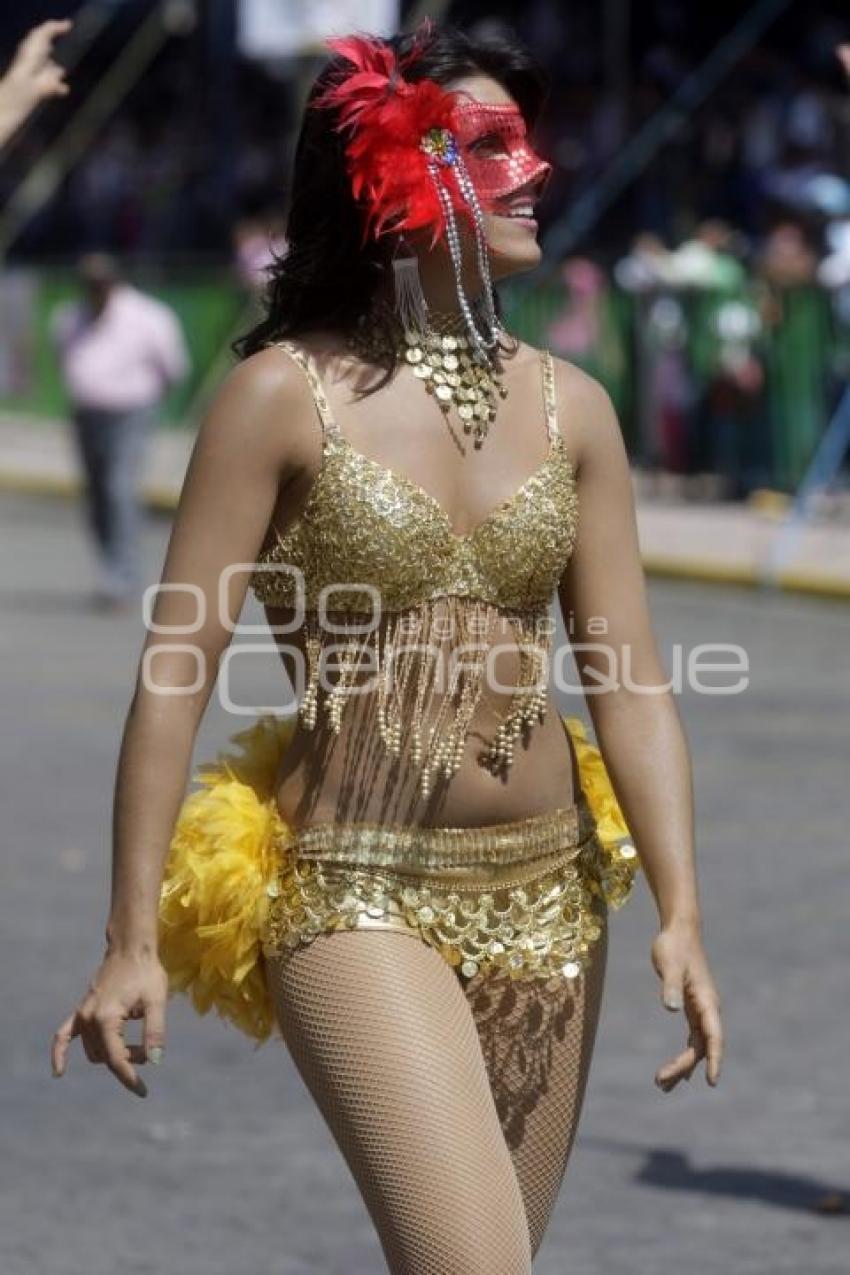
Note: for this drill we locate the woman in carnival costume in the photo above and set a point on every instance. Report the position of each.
(408, 878)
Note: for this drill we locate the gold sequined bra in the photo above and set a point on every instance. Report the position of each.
(423, 600)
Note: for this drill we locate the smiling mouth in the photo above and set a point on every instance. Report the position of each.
(525, 217)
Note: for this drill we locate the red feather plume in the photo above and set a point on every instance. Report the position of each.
(386, 117)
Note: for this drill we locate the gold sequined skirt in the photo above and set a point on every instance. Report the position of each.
(522, 897)
(240, 884)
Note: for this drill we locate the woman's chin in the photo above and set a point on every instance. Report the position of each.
(510, 258)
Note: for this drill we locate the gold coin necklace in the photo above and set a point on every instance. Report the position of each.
(442, 358)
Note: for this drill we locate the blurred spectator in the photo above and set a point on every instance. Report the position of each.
(729, 437)
(796, 313)
(736, 445)
(788, 258)
(710, 259)
(576, 331)
(120, 351)
(664, 384)
(32, 77)
(645, 266)
(584, 330)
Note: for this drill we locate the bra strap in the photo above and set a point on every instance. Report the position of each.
(549, 401)
(307, 363)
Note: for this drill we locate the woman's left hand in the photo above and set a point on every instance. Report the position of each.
(679, 960)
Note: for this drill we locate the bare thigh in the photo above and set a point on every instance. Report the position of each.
(538, 1040)
(383, 1036)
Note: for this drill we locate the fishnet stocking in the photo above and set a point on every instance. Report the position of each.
(380, 1030)
(538, 1039)
(456, 1125)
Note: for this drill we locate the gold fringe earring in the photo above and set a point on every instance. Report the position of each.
(410, 304)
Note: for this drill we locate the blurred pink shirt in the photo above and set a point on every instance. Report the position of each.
(127, 357)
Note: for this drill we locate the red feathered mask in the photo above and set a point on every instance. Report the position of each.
(387, 119)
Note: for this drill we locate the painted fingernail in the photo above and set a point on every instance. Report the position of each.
(155, 1055)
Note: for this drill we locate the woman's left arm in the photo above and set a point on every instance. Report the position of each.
(636, 720)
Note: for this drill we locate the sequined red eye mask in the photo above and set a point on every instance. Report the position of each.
(496, 150)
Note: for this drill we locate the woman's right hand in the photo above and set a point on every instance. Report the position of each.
(125, 986)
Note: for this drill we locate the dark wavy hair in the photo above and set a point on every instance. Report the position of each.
(324, 278)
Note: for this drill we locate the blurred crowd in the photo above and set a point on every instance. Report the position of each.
(720, 326)
(728, 354)
(196, 147)
(771, 138)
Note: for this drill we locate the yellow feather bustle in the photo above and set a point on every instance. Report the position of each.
(618, 864)
(222, 859)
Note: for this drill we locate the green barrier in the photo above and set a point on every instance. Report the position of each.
(799, 358)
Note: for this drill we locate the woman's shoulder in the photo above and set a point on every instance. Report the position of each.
(586, 413)
(272, 379)
(269, 396)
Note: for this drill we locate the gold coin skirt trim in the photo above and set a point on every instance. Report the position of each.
(522, 897)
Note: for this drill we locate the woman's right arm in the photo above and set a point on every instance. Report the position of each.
(247, 448)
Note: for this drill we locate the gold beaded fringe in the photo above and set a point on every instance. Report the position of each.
(410, 664)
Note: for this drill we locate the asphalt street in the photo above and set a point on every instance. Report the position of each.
(226, 1164)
